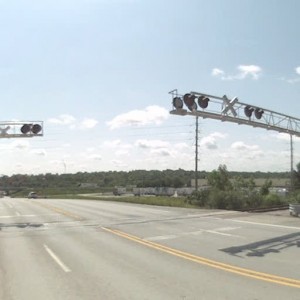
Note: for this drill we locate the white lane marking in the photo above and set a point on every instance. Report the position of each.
(56, 259)
(7, 217)
(217, 231)
(157, 211)
(213, 213)
(201, 231)
(18, 214)
(220, 233)
(226, 228)
(10, 205)
(161, 237)
(265, 224)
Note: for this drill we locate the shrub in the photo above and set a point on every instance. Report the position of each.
(199, 198)
(272, 200)
(235, 200)
(294, 197)
(253, 200)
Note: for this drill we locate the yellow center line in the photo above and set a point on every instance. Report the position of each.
(60, 211)
(208, 262)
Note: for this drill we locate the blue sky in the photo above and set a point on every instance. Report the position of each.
(98, 73)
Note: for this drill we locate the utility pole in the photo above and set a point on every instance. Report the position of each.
(292, 163)
(196, 154)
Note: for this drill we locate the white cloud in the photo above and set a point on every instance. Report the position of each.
(69, 120)
(157, 150)
(19, 166)
(122, 152)
(293, 80)
(116, 147)
(96, 157)
(63, 119)
(39, 152)
(111, 144)
(152, 144)
(161, 152)
(244, 71)
(5, 147)
(181, 146)
(218, 135)
(88, 123)
(20, 144)
(255, 154)
(90, 149)
(217, 72)
(150, 115)
(241, 146)
(285, 137)
(56, 162)
(119, 163)
(249, 70)
(210, 141)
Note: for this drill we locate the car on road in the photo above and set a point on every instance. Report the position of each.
(32, 195)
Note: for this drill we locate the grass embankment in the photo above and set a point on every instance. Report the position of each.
(149, 200)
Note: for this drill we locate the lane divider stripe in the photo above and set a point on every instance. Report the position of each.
(56, 259)
(208, 262)
(60, 211)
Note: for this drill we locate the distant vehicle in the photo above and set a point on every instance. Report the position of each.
(32, 195)
(118, 191)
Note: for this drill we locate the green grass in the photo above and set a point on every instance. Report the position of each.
(149, 200)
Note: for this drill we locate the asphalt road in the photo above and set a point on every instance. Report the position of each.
(80, 249)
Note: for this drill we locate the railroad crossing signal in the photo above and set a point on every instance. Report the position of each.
(224, 109)
(21, 129)
(241, 113)
(228, 105)
(31, 128)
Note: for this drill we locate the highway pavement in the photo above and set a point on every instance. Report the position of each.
(82, 249)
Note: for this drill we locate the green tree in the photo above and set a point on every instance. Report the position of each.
(219, 179)
(264, 190)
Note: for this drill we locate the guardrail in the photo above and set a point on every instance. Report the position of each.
(294, 209)
(272, 208)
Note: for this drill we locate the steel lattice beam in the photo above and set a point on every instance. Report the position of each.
(224, 109)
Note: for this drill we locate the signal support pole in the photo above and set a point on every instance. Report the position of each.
(196, 155)
(292, 164)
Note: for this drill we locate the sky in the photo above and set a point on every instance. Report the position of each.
(98, 74)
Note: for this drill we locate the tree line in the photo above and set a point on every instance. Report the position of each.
(139, 178)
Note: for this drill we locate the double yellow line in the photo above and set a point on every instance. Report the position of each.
(60, 211)
(208, 262)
